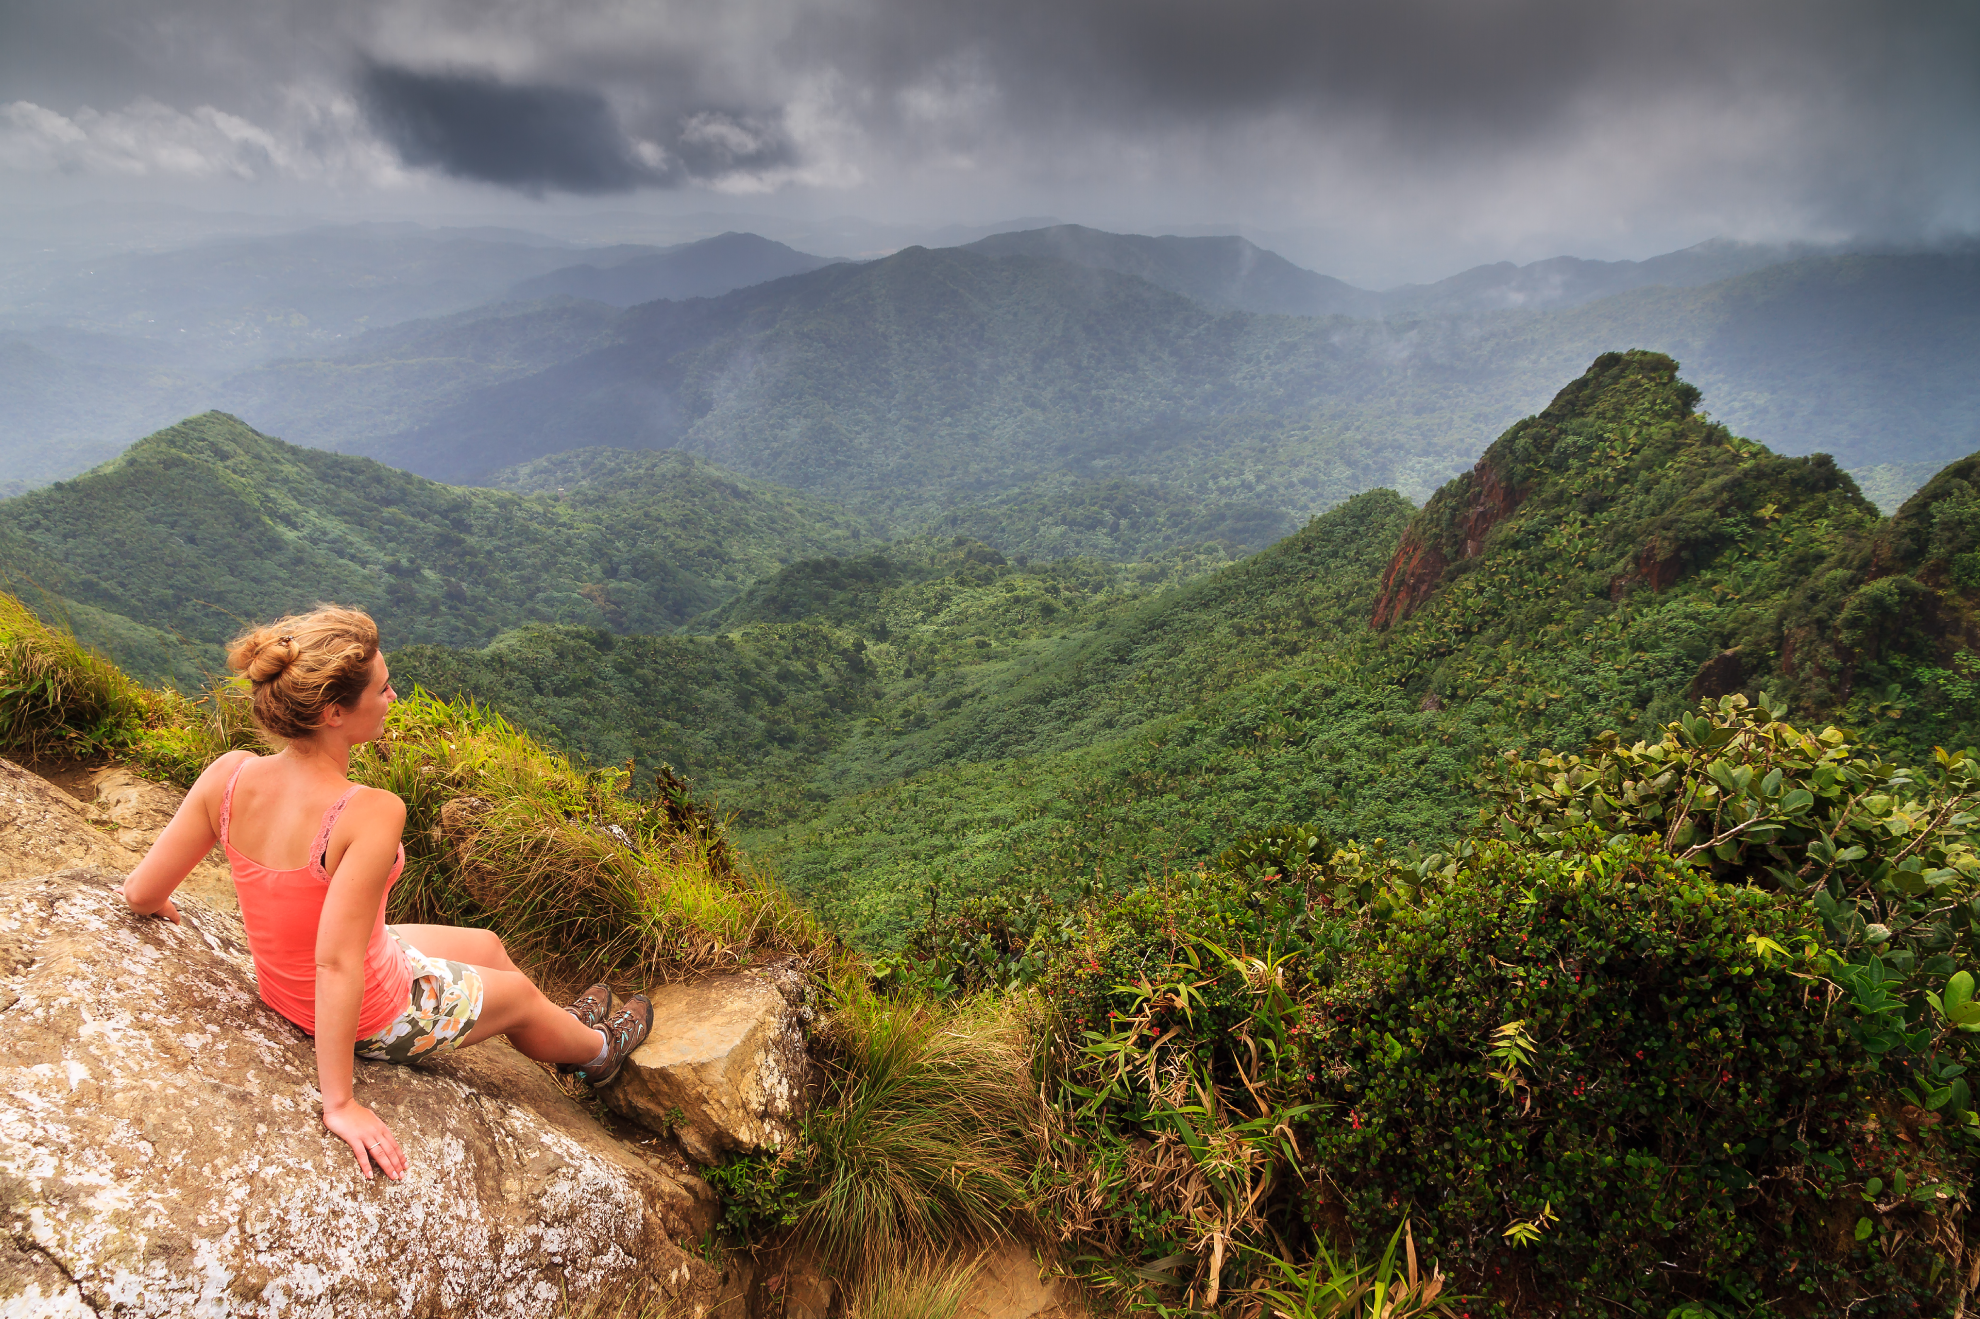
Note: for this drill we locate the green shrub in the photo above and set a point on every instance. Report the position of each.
(1598, 1046)
(1179, 1061)
(1884, 856)
(926, 1138)
(58, 698)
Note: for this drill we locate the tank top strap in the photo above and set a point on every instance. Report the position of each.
(227, 798)
(322, 843)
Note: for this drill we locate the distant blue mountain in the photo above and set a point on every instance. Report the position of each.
(704, 269)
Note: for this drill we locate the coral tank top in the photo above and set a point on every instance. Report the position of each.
(281, 909)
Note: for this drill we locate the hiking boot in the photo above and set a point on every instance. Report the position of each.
(592, 1007)
(625, 1030)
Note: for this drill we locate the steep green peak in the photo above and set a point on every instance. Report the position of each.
(1935, 536)
(217, 437)
(1631, 386)
(1623, 460)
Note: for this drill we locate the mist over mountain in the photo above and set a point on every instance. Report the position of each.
(1233, 272)
(98, 350)
(1566, 281)
(1223, 272)
(936, 375)
(702, 269)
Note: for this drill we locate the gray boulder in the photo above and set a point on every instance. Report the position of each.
(725, 1069)
(161, 1151)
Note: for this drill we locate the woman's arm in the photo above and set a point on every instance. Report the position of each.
(350, 910)
(190, 836)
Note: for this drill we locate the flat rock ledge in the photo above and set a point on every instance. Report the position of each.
(161, 1151)
(726, 1069)
(44, 828)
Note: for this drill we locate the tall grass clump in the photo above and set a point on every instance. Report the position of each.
(932, 1292)
(924, 1141)
(58, 697)
(185, 734)
(579, 877)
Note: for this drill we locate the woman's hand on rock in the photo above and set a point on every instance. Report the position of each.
(369, 1138)
(168, 912)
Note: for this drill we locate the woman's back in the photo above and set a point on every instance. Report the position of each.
(275, 813)
(283, 882)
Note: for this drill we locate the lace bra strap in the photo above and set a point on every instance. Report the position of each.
(319, 848)
(227, 799)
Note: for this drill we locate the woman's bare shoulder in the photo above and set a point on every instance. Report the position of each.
(213, 778)
(376, 805)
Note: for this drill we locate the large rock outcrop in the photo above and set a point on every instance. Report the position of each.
(726, 1068)
(43, 828)
(135, 811)
(161, 1151)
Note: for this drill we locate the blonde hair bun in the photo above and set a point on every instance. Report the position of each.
(304, 664)
(262, 655)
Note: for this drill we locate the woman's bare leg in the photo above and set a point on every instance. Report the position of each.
(512, 1005)
(458, 943)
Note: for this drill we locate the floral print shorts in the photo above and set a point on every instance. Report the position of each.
(444, 1004)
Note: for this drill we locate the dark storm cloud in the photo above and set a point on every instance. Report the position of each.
(1467, 68)
(525, 137)
(536, 137)
(1508, 116)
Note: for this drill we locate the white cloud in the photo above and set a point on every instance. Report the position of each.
(320, 138)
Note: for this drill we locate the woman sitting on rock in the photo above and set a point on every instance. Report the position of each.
(314, 858)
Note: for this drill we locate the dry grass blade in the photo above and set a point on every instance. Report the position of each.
(930, 1292)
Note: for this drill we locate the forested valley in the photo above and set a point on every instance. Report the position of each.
(1573, 876)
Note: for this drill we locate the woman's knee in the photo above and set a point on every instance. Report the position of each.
(490, 950)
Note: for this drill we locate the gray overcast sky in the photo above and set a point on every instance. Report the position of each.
(1377, 141)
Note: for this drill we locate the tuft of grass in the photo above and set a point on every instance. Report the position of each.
(186, 734)
(1394, 1287)
(932, 1292)
(58, 697)
(578, 877)
(930, 1133)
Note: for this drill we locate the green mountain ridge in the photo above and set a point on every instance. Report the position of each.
(1607, 562)
(200, 527)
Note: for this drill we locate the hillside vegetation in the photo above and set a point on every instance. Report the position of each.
(992, 725)
(209, 523)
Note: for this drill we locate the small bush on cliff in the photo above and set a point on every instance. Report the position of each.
(56, 696)
(926, 1139)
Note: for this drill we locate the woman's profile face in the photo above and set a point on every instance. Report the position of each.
(365, 719)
